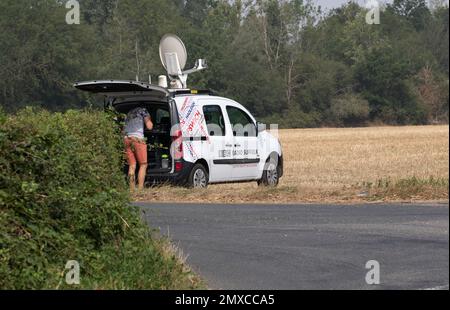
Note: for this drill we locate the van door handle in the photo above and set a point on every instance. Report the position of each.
(237, 145)
(228, 145)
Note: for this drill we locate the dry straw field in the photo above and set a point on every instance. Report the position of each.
(343, 165)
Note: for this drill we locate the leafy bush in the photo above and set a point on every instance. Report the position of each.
(350, 110)
(293, 118)
(63, 197)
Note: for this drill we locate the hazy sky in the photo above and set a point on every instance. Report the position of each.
(329, 4)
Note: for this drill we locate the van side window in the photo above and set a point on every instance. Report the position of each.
(214, 120)
(241, 123)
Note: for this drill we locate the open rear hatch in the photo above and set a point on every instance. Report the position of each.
(125, 95)
(123, 89)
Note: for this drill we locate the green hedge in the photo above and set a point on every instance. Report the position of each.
(63, 197)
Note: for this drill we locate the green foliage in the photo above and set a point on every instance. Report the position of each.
(276, 57)
(63, 197)
(41, 56)
(415, 11)
(350, 109)
(294, 118)
(382, 78)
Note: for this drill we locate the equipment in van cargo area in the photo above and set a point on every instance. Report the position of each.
(198, 138)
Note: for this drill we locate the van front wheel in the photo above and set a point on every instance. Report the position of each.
(271, 174)
(198, 178)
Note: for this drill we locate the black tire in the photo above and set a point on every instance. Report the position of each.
(271, 174)
(199, 177)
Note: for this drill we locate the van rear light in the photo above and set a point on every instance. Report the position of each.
(178, 166)
(177, 142)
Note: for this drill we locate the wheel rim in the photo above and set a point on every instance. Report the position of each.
(199, 178)
(272, 176)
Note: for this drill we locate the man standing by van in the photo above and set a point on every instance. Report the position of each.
(135, 144)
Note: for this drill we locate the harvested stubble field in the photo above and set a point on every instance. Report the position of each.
(342, 165)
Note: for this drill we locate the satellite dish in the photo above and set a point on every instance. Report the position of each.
(173, 54)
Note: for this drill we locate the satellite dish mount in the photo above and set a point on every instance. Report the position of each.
(173, 54)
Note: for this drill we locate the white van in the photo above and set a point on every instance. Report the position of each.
(198, 138)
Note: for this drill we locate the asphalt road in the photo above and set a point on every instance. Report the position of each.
(310, 246)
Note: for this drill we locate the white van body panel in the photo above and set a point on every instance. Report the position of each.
(229, 158)
(268, 145)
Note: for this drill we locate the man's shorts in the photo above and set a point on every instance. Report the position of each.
(136, 150)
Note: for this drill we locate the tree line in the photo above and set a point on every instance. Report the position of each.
(287, 61)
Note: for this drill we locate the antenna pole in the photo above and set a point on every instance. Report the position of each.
(137, 61)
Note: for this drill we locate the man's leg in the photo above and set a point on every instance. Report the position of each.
(141, 155)
(141, 175)
(131, 164)
(132, 177)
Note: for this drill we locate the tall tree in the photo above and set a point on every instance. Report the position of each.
(415, 11)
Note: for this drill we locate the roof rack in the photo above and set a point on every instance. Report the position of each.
(178, 92)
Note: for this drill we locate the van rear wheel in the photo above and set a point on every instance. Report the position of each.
(271, 174)
(199, 177)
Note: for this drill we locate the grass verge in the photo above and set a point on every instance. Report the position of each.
(403, 190)
(407, 189)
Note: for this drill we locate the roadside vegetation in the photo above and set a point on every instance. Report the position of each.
(343, 165)
(63, 196)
